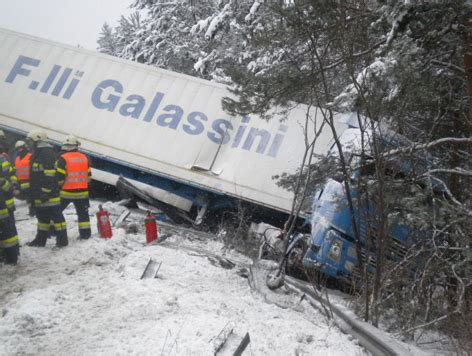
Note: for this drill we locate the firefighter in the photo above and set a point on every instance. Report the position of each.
(22, 167)
(7, 171)
(44, 190)
(9, 244)
(3, 143)
(74, 174)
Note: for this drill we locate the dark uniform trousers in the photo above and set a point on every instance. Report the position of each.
(50, 215)
(82, 208)
(45, 195)
(9, 240)
(8, 237)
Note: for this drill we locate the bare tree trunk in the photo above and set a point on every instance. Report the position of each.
(301, 186)
(468, 71)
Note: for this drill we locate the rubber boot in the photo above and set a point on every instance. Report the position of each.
(39, 241)
(84, 234)
(11, 255)
(61, 239)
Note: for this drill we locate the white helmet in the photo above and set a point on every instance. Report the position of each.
(20, 143)
(2, 134)
(37, 135)
(71, 140)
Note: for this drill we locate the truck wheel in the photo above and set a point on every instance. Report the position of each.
(294, 266)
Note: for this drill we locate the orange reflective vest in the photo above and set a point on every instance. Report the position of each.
(22, 166)
(77, 168)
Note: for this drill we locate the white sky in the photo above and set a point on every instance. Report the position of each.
(75, 22)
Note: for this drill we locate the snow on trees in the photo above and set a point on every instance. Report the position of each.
(397, 63)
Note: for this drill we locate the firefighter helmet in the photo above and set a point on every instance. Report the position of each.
(2, 134)
(37, 135)
(20, 144)
(70, 142)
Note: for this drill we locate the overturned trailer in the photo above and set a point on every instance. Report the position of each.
(163, 131)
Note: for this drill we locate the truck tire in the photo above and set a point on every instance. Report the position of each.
(294, 266)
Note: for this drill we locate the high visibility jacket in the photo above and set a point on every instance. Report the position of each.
(22, 166)
(77, 171)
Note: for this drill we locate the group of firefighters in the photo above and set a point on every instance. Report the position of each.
(49, 182)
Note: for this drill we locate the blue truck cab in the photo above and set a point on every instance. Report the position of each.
(331, 248)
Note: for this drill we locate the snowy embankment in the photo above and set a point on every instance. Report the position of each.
(88, 299)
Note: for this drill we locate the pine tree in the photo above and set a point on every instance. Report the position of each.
(107, 41)
(126, 30)
(164, 37)
(200, 38)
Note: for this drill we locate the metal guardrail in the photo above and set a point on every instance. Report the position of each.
(360, 330)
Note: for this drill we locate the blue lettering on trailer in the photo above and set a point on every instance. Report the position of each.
(110, 95)
(20, 68)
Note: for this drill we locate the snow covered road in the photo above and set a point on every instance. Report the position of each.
(88, 299)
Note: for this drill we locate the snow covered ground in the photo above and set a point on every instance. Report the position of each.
(88, 299)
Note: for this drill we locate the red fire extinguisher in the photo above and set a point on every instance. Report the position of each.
(151, 227)
(103, 223)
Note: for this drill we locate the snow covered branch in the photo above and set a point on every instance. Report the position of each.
(450, 65)
(457, 170)
(441, 141)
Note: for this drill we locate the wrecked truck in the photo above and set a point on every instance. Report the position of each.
(162, 133)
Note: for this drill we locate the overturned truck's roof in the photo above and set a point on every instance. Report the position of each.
(149, 118)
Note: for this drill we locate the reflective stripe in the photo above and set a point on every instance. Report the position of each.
(74, 195)
(74, 174)
(60, 226)
(10, 202)
(6, 186)
(4, 214)
(50, 202)
(43, 226)
(60, 170)
(85, 224)
(77, 158)
(50, 172)
(24, 185)
(37, 167)
(70, 179)
(10, 242)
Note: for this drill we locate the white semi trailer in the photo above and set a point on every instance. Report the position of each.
(165, 131)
